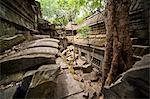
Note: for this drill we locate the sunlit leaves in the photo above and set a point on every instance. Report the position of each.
(62, 11)
(84, 31)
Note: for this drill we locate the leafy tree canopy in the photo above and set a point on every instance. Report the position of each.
(63, 11)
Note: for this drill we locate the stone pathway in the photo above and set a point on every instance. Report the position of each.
(77, 86)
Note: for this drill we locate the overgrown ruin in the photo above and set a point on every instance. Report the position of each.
(40, 59)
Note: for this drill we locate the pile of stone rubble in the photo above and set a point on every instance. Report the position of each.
(134, 82)
(84, 73)
(28, 68)
(36, 69)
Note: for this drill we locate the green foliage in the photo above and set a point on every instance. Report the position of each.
(63, 11)
(79, 20)
(84, 31)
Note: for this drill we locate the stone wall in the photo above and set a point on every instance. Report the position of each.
(139, 18)
(16, 15)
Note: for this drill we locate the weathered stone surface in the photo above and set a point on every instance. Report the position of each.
(28, 35)
(62, 64)
(90, 76)
(80, 62)
(145, 61)
(33, 51)
(9, 42)
(15, 77)
(87, 68)
(40, 36)
(50, 72)
(135, 82)
(54, 42)
(43, 44)
(31, 54)
(8, 93)
(29, 73)
(43, 83)
(20, 16)
(67, 86)
(76, 96)
(44, 90)
(36, 43)
(6, 29)
(19, 63)
(48, 39)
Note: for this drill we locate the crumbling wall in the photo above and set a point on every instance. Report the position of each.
(139, 18)
(16, 15)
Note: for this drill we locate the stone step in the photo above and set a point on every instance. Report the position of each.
(27, 58)
(37, 43)
(48, 39)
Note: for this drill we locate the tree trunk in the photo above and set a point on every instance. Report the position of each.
(118, 53)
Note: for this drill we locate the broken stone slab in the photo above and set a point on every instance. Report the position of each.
(8, 93)
(36, 43)
(29, 73)
(87, 65)
(145, 61)
(134, 82)
(51, 71)
(71, 47)
(90, 76)
(79, 65)
(80, 62)
(87, 68)
(45, 90)
(33, 51)
(43, 83)
(48, 39)
(67, 85)
(15, 77)
(43, 44)
(133, 87)
(83, 58)
(20, 63)
(9, 42)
